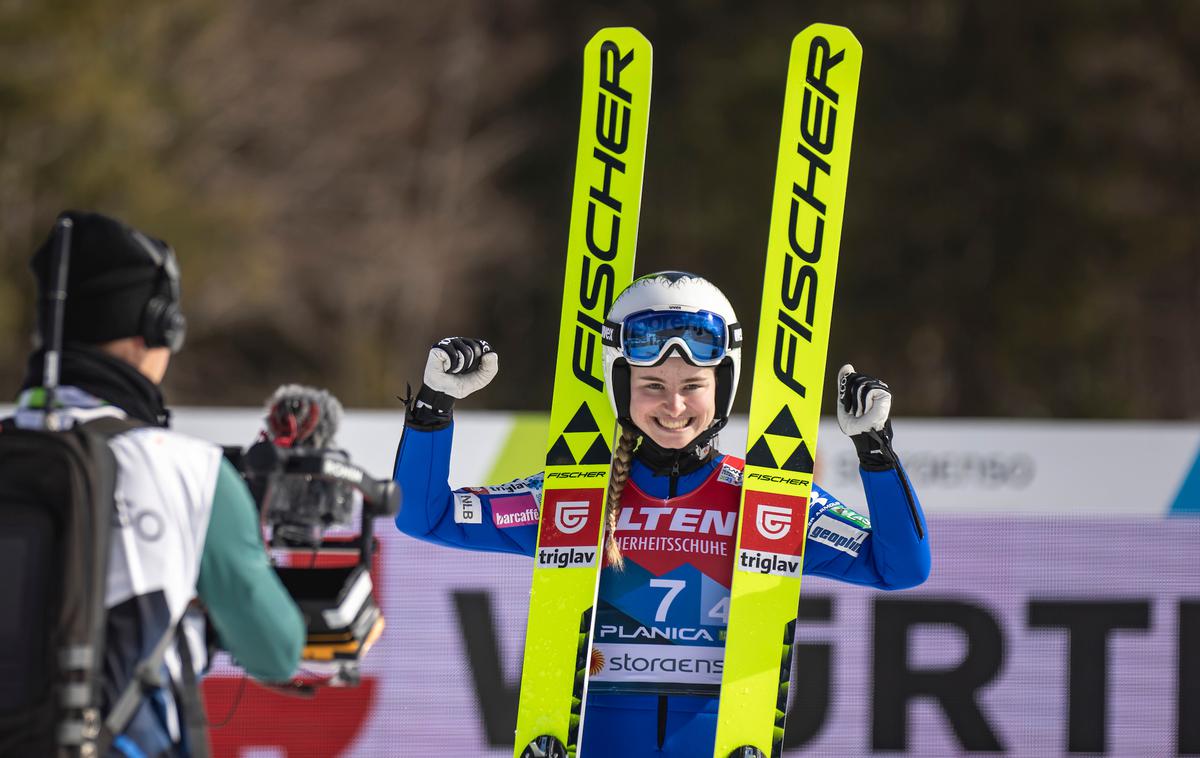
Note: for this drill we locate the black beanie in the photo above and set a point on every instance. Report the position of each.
(110, 278)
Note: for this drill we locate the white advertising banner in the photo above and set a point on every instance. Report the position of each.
(968, 466)
(1062, 614)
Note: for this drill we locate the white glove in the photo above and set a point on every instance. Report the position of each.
(458, 366)
(863, 402)
(863, 406)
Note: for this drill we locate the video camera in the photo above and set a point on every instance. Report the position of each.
(305, 489)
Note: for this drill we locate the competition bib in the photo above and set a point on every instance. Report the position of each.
(661, 621)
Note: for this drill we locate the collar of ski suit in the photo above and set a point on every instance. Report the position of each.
(675, 461)
(105, 377)
(658, 485)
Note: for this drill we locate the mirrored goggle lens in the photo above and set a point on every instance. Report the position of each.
(647, 335)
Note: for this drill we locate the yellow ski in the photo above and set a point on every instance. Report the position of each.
(606, 201)
(789, 369)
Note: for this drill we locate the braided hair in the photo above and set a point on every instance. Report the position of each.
(622, 460)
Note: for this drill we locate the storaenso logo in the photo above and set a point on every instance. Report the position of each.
(571, 515)
(603, 213)
(818, 122)
(773, 521)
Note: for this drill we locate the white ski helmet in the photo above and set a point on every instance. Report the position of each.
(671, 312)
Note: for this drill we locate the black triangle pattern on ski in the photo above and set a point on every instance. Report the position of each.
(784, 425)
(760, 455)
(560, 453)
(598, 454)
(582, 421)
(800, 460)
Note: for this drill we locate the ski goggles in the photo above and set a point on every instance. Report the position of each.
(646, 338)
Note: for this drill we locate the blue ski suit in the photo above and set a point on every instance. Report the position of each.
(660, 620)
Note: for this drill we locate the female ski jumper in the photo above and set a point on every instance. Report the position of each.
(659, 638)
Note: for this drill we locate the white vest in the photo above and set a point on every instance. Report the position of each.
(164, 492)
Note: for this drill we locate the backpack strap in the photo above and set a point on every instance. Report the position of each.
(189, 696)
(87, 659)
(111, 426)
(147, 677)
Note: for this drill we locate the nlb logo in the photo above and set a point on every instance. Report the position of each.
(571, 516)
(773, 521)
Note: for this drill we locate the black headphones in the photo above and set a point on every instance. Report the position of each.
(163, 324)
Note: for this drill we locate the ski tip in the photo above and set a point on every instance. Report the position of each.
(622, 35)
(818, 42)
(842, 34)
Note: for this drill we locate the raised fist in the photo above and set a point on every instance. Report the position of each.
(863, 402)
(863, 406)
(458, 366)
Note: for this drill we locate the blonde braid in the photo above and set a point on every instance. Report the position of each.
(622, 459)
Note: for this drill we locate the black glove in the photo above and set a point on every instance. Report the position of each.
(863, 406)
(456, 367)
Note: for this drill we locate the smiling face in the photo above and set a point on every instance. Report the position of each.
(673, 402)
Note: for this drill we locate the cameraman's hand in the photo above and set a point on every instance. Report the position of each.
(458, 366)
(864, 403)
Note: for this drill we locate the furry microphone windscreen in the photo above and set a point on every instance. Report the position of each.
(302, 416)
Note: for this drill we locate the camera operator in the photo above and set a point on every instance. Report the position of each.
(185, 525)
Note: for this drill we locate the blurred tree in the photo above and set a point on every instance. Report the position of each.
(92, 116)
(347, 182)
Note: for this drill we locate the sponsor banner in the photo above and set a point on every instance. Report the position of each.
(1024, 467)
(730, 475)
(572, 518)
(968, 466)
(1058, 612)
(566, 557)
(508, 512)
(661, 519)
(571, 529)
(662, 664)
(757, 562)
(1032, 637)
(837, 535)
(467, 508)
(824, 506)
(517, 487)
(773, 523)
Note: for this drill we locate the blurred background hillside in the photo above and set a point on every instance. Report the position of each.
(346, 182)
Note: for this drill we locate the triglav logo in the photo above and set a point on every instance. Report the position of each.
(773, 521)
(570, 516)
